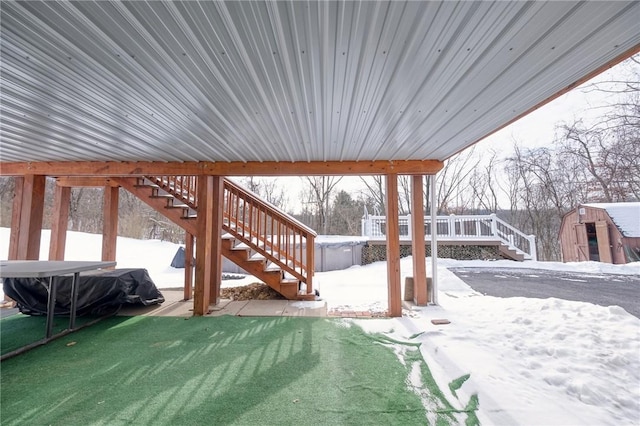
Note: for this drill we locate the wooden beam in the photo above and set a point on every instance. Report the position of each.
(16, 212)
(216, 248)
(110, 223)
(393, 247)
(417, 242)
(252, 168)
(30, 208)
(84, 181)
(188, 266)
(59, 222)
(204, 246)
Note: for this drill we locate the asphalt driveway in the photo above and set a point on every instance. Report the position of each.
(599, 289)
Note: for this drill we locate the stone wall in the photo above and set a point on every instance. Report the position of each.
(378, 252)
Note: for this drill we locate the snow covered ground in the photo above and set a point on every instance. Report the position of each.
(530, 361)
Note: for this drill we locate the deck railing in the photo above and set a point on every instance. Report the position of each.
(458, 228)
(281, 239)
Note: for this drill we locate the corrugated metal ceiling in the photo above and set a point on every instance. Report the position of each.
(287, 81)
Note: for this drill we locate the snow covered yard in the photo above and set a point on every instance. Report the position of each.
(530, 361)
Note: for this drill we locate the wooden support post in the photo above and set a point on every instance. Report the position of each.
(14, 237)
(417, 242)
(216, 252)
(110, 223)
(26, 218)
(59, 222)
(393, 247)
(208, 243)
(188, 266)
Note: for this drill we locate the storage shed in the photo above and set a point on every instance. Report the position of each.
(602, 232)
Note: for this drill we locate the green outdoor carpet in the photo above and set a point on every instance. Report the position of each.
(221, 370)
(20, 330)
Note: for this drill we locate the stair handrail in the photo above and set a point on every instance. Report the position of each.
(291, 248)
(280, 238)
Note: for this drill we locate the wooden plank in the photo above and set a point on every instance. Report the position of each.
(31, 211)
(217, 196)
(393, 247)
(59, 222)
(604, 244)
(204, 246)
(252, 168)
(188, 266)
(16, 212)
(110, 223)
(418, 250)
(84, 181)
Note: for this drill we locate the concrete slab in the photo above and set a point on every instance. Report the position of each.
(263, 308)
(174, 306)
(295, 308)
(227, 307)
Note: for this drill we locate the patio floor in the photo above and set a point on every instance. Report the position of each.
(175, 306)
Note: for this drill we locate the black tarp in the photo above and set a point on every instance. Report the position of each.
(98, 294)
(178, 259)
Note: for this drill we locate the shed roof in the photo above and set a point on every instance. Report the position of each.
(288, 81)
(626, 216)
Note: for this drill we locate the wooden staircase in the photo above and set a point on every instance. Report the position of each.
(509, 252)
(259, 238)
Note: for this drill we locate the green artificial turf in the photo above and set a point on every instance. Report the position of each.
(20, 330)
(221, 370)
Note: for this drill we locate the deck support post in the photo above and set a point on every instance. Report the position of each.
(208, 243)
(204, 238)
(418, 242)
(110, 222)
(433, 297)
(26, 218)
(216, 252)
(393, 246)
(59, 222)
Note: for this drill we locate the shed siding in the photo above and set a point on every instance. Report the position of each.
(573, 246)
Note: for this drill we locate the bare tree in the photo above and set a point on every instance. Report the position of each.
(267, 189)
(319, 190)
(452, 182)
(375, 192)
(484, 186)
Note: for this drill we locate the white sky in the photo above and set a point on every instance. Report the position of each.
(530, 361)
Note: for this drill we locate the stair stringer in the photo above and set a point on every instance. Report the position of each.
(241, 257)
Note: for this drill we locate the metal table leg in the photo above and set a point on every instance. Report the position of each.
(51, 304)
(74, 299)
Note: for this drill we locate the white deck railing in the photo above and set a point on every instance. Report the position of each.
(471, 228)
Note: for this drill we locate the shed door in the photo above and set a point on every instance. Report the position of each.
(604, 246)
(582, 247)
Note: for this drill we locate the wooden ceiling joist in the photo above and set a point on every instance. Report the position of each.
(128, 168)
(84, 181)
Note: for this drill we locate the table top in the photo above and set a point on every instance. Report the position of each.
(47, 268)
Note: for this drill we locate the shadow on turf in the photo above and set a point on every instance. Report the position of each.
(224, 370)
